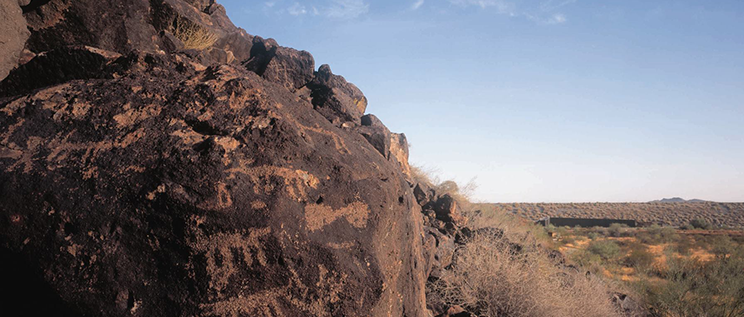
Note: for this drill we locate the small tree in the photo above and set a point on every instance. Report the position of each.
(700, 223)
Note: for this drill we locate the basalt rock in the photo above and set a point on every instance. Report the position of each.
(399, 151)
(132, 25)
(56, 67)
(13, 36)
(141, 177)
(335, 98)
(376, 133)
(423, 193)
(165, 188)
(285, 66)
(447, 209)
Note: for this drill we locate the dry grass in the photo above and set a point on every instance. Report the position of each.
(492, 280)
(193, 35)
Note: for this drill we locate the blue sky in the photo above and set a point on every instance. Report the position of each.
(540, 100)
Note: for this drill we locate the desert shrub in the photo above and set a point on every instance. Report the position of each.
(569, 239)
(639, 257)
(722, 246)
(700, 223)
(694, 288)
(617, 229)
(687, 227)
(684, 246)
(585, 258)
(605, 232)
(490, 279)
(593, 235)
(656, 234)
(193, 35)
(606, 249)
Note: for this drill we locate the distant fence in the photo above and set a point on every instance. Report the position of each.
(585, 222)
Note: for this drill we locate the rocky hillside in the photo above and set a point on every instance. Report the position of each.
(156, 160)
(661, 213)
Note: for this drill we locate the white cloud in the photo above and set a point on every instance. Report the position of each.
(270, 4)
(417, 4)
(297, 9)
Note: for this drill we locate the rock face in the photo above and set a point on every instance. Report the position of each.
(137, 24)
(142, 181)
(13, 36)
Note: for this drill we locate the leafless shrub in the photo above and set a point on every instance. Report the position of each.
(193, 35)
(490, 278)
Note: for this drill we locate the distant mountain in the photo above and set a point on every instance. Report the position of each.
(678, 200)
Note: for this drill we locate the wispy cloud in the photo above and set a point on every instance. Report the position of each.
(416, 5)
(501, 5)
(336, 9)
(347, 9)
(557, 18)
(297, 9)
(539, 11)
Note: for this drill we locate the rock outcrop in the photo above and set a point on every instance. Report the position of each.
(13, 36)
(145, 179)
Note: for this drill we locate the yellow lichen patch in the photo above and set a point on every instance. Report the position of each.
(10, 153)
(311, 300)
(227, 143)
(132, 116)
(319, 216)
(187, 135)
(73, 249)
(26, 155)
(13, 106)
(337, 140)
(221, 250)
(341, 246)
(80, 109)
(131, 168)
(258, 204)
(131, 138)
(48, 93)
(90, 172)
(296, 181)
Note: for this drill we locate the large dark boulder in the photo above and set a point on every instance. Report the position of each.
(56, 67)
(123, 26)
(447, 209)
(423, 193)
(285, 66)
(160, 187)
(376, 133)
(13, 36)
(335, 98)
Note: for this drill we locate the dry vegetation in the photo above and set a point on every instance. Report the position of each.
(193, 35)
(509, 271)
(678, 273)
(668, 214)
(490, 278)
(694, 269)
